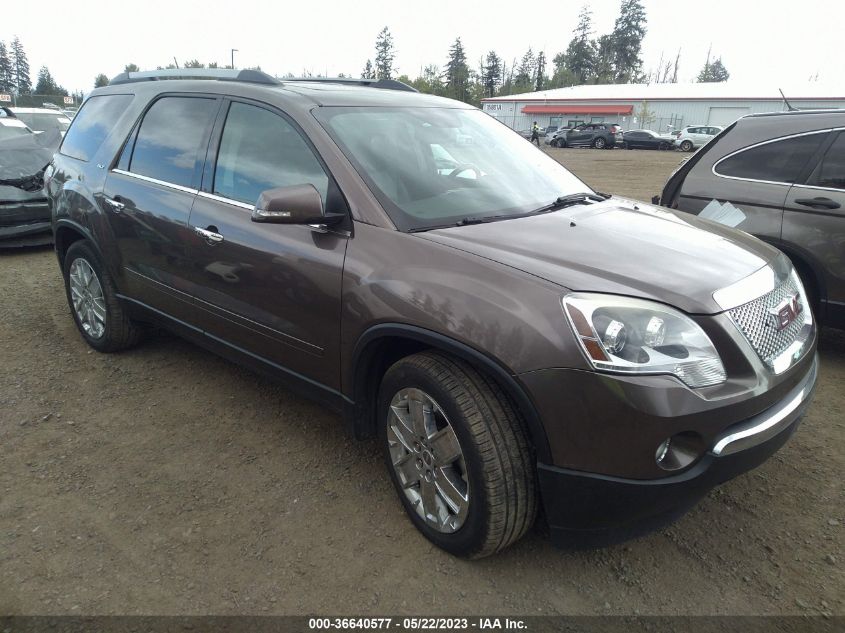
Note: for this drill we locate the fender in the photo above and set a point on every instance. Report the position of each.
(360, 419)
(76, 228)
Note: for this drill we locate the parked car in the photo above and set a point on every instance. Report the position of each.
(597, 135)
(695, 136)
(780, 177)
(646, 139)
(43, 119)
(557, 138)
(24, 214)
(507, 333)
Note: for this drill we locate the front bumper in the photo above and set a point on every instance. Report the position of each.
(25, 223)
(593, 510)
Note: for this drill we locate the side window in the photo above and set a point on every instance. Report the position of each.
(260, 150)
(830, 171)
(694, 130)
(171, 141)
(92, 125)
(778, 161)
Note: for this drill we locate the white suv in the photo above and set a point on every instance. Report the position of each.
(693, 136)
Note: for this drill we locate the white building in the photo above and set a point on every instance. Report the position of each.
(669, 106)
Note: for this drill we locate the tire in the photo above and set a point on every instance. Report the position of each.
(686, 146)
(100, 317)
(663, 147)
(626, 146)
(599, 142)
(492, 484)
(554, 143)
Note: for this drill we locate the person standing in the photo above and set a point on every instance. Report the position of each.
(535, 134)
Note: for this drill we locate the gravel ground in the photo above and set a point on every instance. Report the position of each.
(167, 481)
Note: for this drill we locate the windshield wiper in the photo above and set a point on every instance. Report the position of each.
(568, 200)
(559, 203)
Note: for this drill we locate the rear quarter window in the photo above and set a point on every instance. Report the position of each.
(93, 124)
(776, 161)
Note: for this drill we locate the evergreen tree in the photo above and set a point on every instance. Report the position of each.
(457, 74)
(45, 84)
(194, 63)
(628, 33)
(368, 72)
(713, 71)
(20, 68)
(525, 73)
(540, 79)
(491, 73)
(429, 81)
(561, 75)
(7, 81)
(133, 68)
(580, 58)
(385, 54)
(605, 52)
(101, 80)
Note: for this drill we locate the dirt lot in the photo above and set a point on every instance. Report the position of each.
(167, 481)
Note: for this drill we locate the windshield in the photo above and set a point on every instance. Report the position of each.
(431, 167)
(44, 122)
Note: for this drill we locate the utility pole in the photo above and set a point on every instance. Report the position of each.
(234, 50)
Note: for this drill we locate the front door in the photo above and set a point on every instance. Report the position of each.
(270, 290)
(148, 197)
(814, 221)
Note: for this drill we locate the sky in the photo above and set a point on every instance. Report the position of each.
(759, 42)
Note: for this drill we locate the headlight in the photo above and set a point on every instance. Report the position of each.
(634, 336)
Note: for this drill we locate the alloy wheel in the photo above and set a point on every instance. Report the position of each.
(428, 460)
(87, 298)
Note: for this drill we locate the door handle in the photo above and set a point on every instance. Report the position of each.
(210, 236)
(115, 203)
(818, 203)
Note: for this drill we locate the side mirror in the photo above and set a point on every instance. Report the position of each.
(297, 204)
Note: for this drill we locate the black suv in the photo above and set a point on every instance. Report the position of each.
(781, 177)
(597, 135)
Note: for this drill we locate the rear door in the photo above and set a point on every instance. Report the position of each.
(271, 290)
(148, 198)
(814, 223)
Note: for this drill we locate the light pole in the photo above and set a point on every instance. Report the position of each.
(234, 50)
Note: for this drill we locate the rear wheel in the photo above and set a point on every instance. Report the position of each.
(686, 146)
(599, 142)
(457, 453)
(91, 294)
(663, 146)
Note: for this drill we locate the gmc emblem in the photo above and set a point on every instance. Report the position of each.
(784, 313)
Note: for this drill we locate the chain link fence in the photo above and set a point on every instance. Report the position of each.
(39, 101)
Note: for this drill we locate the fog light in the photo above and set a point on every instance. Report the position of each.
(679, 451)
(662, 450)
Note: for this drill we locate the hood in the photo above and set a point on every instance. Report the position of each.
(23, 156)
(620, 247)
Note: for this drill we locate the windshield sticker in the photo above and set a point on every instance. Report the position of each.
(726, 213)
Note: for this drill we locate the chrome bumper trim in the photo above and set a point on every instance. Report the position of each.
(766, 425)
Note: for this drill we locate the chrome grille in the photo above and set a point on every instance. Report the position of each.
(752, 319)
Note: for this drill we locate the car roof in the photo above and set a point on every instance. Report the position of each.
(304, 94)
(796, 113)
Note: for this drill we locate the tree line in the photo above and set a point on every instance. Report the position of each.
(614, 57)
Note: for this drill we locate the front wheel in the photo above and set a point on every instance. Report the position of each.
(457, 453)
(686, 146)
(599, 143)
(91, 294)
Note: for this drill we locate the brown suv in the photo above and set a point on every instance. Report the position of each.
(512, 337)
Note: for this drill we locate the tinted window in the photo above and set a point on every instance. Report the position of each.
(171, 142)
(93, 124)
(260, 150)
(831, 170)
(779, 161)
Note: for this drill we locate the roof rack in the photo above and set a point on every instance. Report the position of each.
(223, 74)
(384, 84)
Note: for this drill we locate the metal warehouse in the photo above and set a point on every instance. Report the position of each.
(659, 107)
